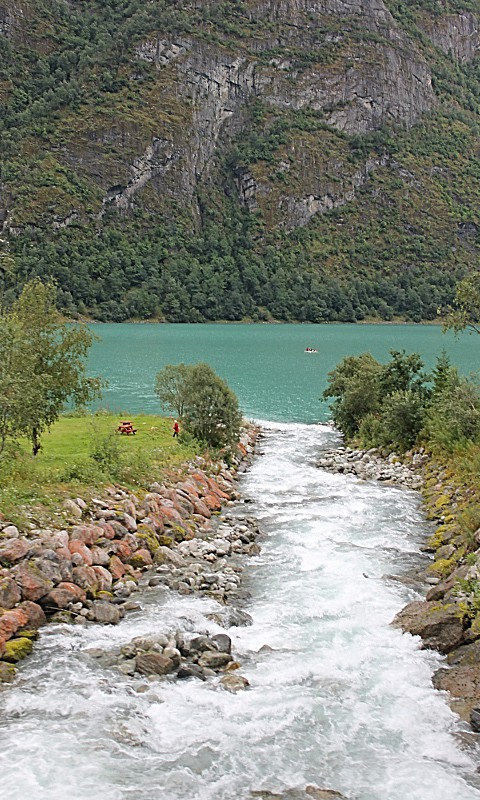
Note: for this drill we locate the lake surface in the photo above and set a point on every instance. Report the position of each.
(265, 365)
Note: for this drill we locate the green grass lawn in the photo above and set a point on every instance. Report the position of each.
(80, 454)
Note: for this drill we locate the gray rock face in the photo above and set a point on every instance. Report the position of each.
(456, 34)
(387, 80)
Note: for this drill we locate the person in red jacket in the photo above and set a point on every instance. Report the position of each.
(176, 429)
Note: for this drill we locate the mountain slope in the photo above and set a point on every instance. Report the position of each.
(222, 160)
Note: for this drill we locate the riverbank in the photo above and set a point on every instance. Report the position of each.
(88, 562)
(448, 620)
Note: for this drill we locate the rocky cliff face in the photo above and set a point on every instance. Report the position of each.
(367, 83)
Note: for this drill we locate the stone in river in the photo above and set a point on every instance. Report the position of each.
(234, 683)
(214, 660)
(7, 672)
(439, 626)
(191, 671)
(223, 642)
(153, 664)
(106, 613)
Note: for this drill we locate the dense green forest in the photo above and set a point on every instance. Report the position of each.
(79, 106)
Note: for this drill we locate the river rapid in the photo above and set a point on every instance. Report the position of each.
(338, 698)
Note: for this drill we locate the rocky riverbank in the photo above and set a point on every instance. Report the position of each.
(448, 620)
(96, 554)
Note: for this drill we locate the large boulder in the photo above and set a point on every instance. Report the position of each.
(439, 626)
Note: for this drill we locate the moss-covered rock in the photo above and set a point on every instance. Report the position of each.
(17, 649)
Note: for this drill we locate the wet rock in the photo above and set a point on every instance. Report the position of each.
(106, 613)
(128, 667)
(189, 670)
(439, 626)
(231, 617)
(474, 718)
(153, 664)
(223, 642)
(200, 644)
(300, 794)
(234, 683)
(214, 660)
(7, 672)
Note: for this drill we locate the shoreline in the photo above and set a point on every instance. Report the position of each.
(88, 562)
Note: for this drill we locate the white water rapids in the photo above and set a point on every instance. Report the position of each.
(341, 700)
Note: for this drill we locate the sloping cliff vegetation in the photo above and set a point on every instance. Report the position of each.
(226, 160)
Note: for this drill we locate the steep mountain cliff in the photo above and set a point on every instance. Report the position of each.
(295, 159)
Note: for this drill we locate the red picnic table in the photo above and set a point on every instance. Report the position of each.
(127, 428)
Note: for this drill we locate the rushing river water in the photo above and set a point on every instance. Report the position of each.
(339, 698)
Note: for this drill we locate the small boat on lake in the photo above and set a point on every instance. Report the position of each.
(311, 350)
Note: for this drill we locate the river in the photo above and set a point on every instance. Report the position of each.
(337, 698)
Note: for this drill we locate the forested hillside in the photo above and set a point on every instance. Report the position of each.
(268, 159)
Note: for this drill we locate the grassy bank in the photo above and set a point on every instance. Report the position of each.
(83, 453)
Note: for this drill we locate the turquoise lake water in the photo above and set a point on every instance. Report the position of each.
(264, 364)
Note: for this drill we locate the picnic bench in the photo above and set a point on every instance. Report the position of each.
(127, 428)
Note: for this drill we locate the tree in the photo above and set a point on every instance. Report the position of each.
(170, 387)
(42, 365)
(206, 405)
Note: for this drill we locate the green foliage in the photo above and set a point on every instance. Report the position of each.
(43, 365)
(355, 386)
(401, 419)
(206, 405)
(453, 417)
